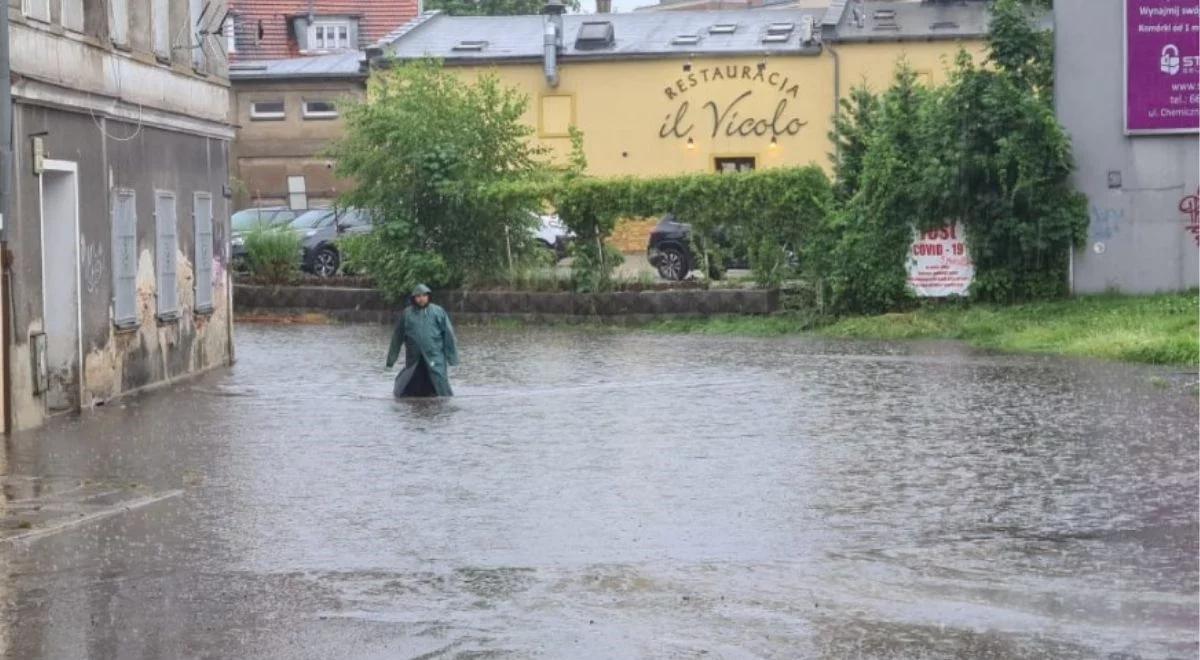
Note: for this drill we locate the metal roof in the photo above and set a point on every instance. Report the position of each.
(908, 21)
(642, 34)
(339, 65)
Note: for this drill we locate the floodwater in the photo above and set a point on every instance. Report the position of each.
(599, 494)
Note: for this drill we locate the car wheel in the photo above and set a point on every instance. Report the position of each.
(326, 262)
(672, 264)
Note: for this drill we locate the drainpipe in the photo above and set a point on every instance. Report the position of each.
(6, 179)
(837, 87)
(552, 40)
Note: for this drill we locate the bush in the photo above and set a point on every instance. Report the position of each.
(395, 271)
(273, 254)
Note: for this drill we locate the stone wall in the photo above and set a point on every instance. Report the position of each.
(366, 305)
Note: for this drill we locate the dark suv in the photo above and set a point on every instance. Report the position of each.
(670, 250)
(319, 231)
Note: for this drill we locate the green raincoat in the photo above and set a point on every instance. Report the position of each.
(428, 338)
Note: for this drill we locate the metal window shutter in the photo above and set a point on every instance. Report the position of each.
(164, 255)
(125, 260)
(202, 204)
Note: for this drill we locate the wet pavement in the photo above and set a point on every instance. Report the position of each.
(614, 495)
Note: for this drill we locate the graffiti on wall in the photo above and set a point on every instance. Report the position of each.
(1190, 207)
(92, 266)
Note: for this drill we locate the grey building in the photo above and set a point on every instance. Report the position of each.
(115, 274)
(1139, 185)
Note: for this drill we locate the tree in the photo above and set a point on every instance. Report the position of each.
(853, 123)
(423, 149)
(493, 7)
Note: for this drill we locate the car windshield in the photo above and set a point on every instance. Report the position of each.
(313, 219)
(251, 219)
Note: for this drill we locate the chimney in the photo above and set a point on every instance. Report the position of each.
(552, 40)
(603, 6)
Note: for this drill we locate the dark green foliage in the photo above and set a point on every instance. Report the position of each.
(422, 151)
(492, 7)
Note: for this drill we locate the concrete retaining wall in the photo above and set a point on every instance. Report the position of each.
(365, 305)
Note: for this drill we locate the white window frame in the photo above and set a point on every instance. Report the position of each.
(202, 260)
(38, 10)
(297, 190)
(161, 28)
(340, 41)
(270, 115)
(73, 16)
(118, 21)
(320, 114)
(166, 245)
(125, 258)
(230, 31)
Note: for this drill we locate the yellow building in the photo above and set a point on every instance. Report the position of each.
(669, 92)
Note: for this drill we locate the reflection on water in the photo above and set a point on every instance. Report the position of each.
(594, 494)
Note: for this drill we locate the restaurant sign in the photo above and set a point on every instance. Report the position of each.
(735, 115)
(1162, 66)
(939, 264)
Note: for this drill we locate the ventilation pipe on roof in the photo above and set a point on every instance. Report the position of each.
(552, 40)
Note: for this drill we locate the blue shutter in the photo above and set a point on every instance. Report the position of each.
(125, 258)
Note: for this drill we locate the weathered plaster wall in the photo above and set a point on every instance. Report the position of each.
(110, 155)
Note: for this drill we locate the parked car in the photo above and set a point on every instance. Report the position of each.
(319, 230)
(248, 220)
(670, 250)
(553, 235)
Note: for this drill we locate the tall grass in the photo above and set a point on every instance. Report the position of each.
(273, 254)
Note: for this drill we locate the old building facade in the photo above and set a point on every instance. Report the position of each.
(691, 91)
(117, 242)
(294, 63)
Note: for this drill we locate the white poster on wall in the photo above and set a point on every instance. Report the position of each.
(939, 264)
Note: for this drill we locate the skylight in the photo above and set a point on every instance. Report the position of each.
(686, 40)
(470, 45)
(723, 28)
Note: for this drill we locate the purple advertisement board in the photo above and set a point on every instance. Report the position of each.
(1162, 66)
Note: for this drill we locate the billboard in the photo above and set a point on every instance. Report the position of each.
(1162, 66)
(939, 264)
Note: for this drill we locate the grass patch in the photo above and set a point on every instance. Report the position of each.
(1159, 329)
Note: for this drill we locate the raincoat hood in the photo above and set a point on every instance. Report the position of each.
(421, 290)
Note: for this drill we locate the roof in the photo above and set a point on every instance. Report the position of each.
(641, 34)
(893, 21)
(376, 18)
(339, 65)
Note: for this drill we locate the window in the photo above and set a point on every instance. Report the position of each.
(38, 10)
(196, 9)
(118, 21)
(557, 115)
(230, 31)
(297, 197)
(594, 34)
(165, 245)
(320, 110)
(470, 45)
(686, 40)
(261, 110)
(723, 28)
(202, 205)
(729, 165)
(329, 36)
(125, 258)
(161, 18)
(72, 15)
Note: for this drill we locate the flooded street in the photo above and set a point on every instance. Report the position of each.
(595, 494)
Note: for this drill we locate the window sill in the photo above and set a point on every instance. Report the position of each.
(126, 327)
(281, 118)
(320, 117)
(170, 318)
(206, 310)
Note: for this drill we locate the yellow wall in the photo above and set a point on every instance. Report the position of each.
(626, 112)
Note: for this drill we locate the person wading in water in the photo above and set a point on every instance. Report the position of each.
(424, 330)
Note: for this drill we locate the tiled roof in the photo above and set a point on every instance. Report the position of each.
(376, 19)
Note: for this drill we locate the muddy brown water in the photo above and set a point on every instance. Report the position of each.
(622, 495)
